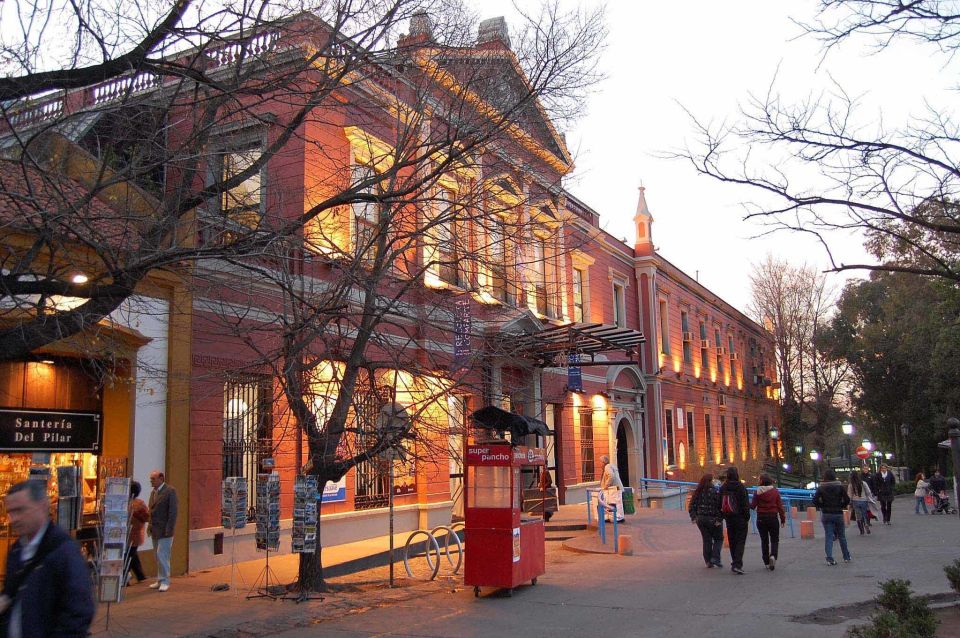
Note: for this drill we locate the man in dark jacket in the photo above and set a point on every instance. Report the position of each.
(163, 521)
(47, 589)
(937, 482)
(831, 499)
(885, 482)
(735, 508)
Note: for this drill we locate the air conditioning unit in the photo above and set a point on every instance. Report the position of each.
(721, 351)
(687, 337)
(704, 344)
(734, 356)
(757, 379)
(722, 400)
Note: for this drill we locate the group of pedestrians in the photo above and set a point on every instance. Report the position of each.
(715, 505)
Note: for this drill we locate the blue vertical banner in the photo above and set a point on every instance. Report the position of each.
(574, 377)
(461, 332)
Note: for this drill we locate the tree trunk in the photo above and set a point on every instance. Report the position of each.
(310, 574)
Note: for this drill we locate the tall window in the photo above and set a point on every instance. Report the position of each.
(691, 433)
(707, 438)
(498, 260)
(732, 353)
(664, 328)
(451, 241)
(737, 443)
(247, 420)
(578, 295)
(724, 445)
(366, 215)
(587, 468)
(669, 454)
(685, 327)
(545, 277)
(751, 441)
(719, 345)
(372, 476)
(619, 305)
(704, 349)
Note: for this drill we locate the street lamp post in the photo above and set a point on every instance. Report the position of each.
(847, 428)
(799, 455)
(905, 432)
(775, 436)
(815, 456)
(954, 433)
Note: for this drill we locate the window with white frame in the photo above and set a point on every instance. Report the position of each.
(685, 327)
(669, 438)
(579, 297)
(664, 318)
(719, 345)
(619, 304)
(704, 349)
(366, 214)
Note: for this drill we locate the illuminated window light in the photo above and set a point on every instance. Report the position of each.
(80, 278)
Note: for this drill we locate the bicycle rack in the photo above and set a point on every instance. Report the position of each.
(434, 546)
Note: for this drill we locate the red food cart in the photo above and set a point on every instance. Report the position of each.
(505, 545)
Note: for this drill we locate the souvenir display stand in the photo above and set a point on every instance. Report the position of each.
(506, 546)
(303, 535)
(114, 533)
(268, 533)
(233, 515)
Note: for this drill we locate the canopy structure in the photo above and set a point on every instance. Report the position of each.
(552, 346)
(519, 426)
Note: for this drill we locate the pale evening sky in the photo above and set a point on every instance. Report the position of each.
(708, 57)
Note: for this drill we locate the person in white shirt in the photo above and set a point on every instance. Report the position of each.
(612, 486)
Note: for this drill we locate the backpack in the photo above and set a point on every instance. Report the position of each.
(729, 504)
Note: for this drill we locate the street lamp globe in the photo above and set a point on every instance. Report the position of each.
(888, 455)
(877, 453)
(814, 455)
(847, 428)
(798, 449)
(867, 444)
(786, 467)
(774, 433)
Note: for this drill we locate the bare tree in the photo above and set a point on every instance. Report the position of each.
(795, 303)
(816, 168)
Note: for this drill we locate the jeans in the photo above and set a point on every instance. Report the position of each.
(921, 501)
(737, 536)
(861, 508)
(712, 533)
(164, 545)
(833, 527)
(768, 525)
(886, 505)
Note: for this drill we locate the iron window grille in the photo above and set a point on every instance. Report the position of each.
(247, 428)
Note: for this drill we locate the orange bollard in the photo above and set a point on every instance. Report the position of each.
(625, 545)
(846, 518)
(811, 513)
(726, 539)
(806, 529)
(793, 512)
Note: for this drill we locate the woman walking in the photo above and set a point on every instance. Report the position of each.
(921, 493)
(860, 497)
(885, 483)
(139, 516)
(735, 509)
(831, 499)
(771, 516)
(704, 510)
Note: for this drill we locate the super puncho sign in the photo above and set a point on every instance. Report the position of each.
(49, 431)
(504, 455)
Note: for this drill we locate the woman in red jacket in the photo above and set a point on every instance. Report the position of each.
(769, 508)
(139, 516)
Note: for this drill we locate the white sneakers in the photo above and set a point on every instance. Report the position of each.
(155, 584)
(159, 587)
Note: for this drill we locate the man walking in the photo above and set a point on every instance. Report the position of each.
(831, 499)
(163, 520)
(47, 590)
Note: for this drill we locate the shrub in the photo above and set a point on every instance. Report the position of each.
(902, 615)
(904, 487)
(953, 575)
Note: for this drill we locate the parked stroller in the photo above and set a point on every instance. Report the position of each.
(941, 504)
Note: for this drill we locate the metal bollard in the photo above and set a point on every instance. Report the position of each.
(601, 524)
(616, 544)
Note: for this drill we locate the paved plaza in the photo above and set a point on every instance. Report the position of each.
(663, 589)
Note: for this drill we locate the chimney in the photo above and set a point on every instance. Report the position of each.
(421, 31)
(493, 34)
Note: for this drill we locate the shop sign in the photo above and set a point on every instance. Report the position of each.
(488, 455)
(24, 430)
(334, 492)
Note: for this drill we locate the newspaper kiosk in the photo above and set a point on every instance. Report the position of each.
(505, 545)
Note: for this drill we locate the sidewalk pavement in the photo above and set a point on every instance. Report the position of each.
(662, 589)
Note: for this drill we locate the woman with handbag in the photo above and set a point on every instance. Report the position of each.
(735, 508)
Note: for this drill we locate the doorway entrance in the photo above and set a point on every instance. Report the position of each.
(623, 463)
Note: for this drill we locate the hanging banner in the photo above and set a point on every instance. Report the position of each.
(461, 332)
(574, 376)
